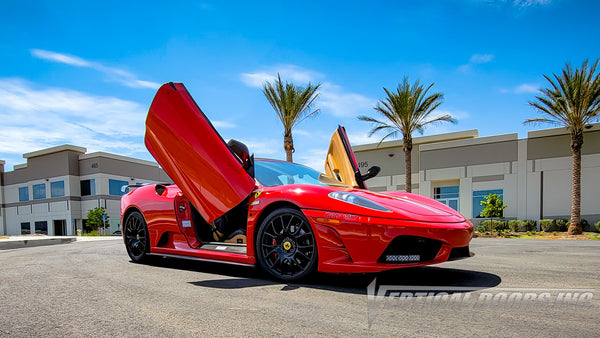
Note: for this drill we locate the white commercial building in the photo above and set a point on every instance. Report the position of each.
(54, 190)
(533, 175)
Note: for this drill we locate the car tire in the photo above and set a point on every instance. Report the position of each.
(285, 245)
(137, 240)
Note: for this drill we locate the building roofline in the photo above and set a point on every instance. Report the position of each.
(52, 150)
(558, 131)
(116, 157)
(459, 135)
(470, 142)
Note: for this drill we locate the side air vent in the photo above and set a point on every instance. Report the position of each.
(460, 253)
(160, 189)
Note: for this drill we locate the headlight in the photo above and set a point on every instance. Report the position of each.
(357, 200)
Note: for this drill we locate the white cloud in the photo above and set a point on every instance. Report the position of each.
(364, 138)
(464, 68)
(262, 148)
(302, 132)
(287, 72)
(519, 3)
(113, 74)
(481, 58)
(61, 58)
(333, 98)
(527, 88)
(34, 118)
(530, 3)
(340, 103)
(524, 88)
(223, 124)
(457, 114)
(476, 59)
(257, 79)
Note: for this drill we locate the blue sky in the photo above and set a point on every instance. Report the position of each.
(85, 72)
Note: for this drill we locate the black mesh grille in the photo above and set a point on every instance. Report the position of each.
(410, 249)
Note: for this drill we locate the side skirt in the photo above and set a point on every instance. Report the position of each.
(201, 259)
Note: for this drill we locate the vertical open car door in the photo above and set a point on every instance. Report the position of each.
(340, 163)
(193, 154)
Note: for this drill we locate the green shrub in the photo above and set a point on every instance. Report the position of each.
(547, 225)
(516, 226)
(561, 224)
(482, 228)
(597, 225)
(585, 225)
(496, 225)
(530, 225)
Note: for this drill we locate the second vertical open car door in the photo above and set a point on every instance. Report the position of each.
(340, 163)
(193, 154)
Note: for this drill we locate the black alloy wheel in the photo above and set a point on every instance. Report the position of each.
(286, 246)
(137, 240)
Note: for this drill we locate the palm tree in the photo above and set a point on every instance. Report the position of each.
(405, 111)
(292, 104)
(572, 101)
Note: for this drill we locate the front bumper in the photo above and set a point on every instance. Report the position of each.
(357, 244)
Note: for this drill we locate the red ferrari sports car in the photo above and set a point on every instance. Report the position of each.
(287, 218)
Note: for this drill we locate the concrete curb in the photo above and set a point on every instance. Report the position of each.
(17, 242)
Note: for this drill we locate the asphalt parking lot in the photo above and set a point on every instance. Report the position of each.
(92, 289)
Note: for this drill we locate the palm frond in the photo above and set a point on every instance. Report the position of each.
(292, 103)
(406, 110)
(572, 99)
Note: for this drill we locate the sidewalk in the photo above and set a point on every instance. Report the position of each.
(16, 242)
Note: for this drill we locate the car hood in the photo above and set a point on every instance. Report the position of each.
(405, 206)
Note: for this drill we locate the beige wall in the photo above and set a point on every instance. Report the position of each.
(559, 145)
(489, 153)
(51, 165)
(390, 165)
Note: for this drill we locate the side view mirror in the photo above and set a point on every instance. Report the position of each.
(372, 172)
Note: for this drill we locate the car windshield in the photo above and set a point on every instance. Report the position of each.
(274, 173)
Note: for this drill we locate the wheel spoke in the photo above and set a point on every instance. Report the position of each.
(271, 265)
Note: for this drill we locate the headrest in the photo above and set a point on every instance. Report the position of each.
(241, 151)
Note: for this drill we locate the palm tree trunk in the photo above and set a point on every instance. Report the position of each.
(576, 144)
(407, 147)
(288, 145)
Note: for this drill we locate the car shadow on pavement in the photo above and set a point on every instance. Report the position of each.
(238, 277)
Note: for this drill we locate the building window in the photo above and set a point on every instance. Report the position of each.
(88, 187)
(25, 228)
(114, 187)
(479, 196)
(447, 195)
(41, 227)
(57, 189)
(39, 191)
(23, 194)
